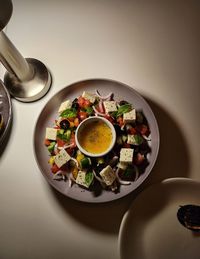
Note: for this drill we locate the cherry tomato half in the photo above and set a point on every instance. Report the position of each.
(82, 115)
(83, 103)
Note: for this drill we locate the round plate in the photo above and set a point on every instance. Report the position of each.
(5, 110)
(49, 113)
(150, 228)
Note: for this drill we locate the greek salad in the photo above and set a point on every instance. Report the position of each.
(122, 165)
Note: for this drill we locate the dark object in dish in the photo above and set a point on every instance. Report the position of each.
(189, 217)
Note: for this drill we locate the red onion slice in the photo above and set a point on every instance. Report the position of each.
(97, 112)
(119, 179)
(66, 146)
(105, 97)
(60, 175)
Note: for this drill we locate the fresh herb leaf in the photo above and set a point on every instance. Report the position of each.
(114, 114)
(89, 110)
(129, 174)
(69, 113)
(89, 178)
(138, 139)
(123, 109)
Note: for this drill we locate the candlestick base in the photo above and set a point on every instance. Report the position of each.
(32, 89)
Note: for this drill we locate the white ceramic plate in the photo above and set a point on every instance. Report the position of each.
(150, 228)
(49, 113)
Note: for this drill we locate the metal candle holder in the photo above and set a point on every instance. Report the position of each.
(28, 79)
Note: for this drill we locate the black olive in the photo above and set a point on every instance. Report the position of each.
(123, 102)
(117, 129)
(99, 168)
(128, 174)
(75, 105)
(64, 124)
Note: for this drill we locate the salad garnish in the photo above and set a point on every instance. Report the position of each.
(121, 166)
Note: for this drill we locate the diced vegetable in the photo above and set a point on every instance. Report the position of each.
(79, 157)
(82, 115)
(47, 142)
(139, 159)
(76, 122)
(67, 134)
(60, 142)
(120, 121)
(132, 131)
(55, 168)
(85, 162)
(51, 160)
(143, 129)
(83, 103)
(61, 135)
(60, 132)
(51, 147)
(72, 140)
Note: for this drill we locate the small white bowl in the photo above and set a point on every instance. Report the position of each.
(84, 124)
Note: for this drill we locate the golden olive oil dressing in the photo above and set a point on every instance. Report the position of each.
(96, 137)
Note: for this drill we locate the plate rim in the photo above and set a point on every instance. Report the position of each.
(165, 182)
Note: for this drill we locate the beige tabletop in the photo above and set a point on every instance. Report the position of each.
(153, 46)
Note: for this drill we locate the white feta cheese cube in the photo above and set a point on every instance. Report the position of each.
(129, 116)
(51, 133)
(62, 158)
(80, 179)
(110, 106)
(65, 105)
(108, 175)
(89, 96)
(126, 155)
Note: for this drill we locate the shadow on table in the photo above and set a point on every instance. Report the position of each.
(173, 158)
(173, 161)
